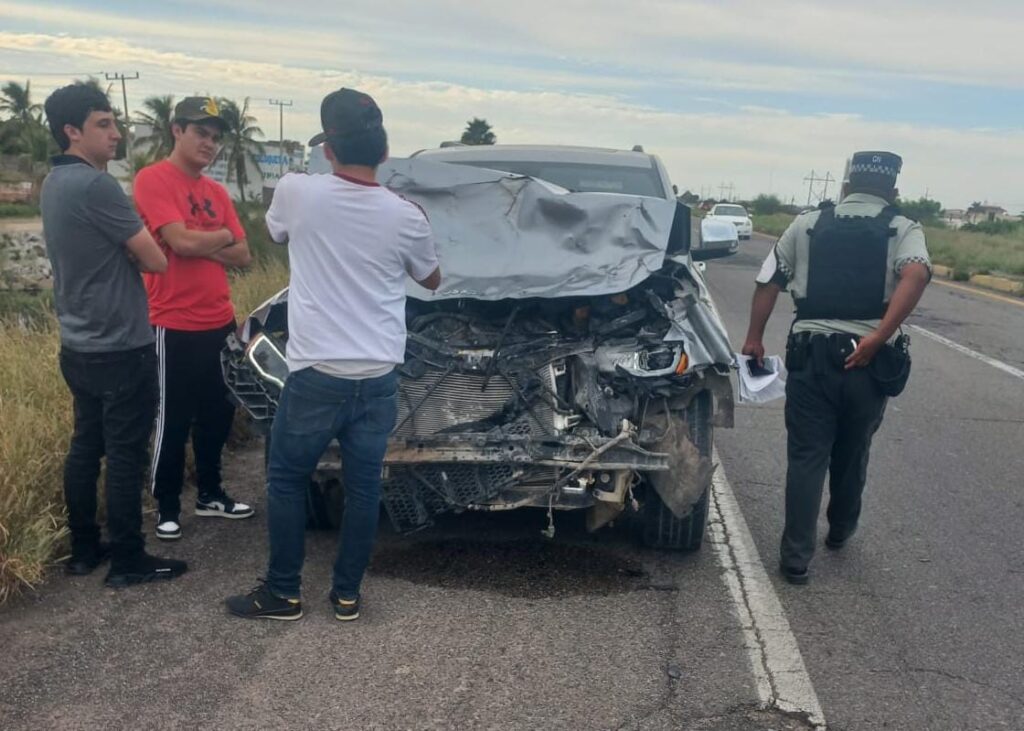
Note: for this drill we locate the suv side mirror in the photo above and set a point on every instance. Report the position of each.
(679, 236)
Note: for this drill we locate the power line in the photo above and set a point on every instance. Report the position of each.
(118, 76)
(812, 179)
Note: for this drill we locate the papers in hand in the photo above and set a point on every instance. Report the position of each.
(762, 389)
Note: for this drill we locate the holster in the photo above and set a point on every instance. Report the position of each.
(891, 366)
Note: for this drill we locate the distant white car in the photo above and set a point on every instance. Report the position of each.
(736, 215)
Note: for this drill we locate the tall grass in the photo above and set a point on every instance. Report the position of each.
(773, 224)
(971, 252)
(36, 424)
(967, 252)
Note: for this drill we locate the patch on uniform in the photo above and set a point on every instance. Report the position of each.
(773, 270)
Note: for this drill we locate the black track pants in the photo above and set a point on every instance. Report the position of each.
(193, 401)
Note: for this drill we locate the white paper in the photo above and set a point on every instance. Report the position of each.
(762, 389)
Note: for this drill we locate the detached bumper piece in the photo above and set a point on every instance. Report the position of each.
(444, 473)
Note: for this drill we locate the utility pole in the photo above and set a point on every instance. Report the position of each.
(281, 104)
(721, 191)
(828, 179)
(127, 120)
(812, 179)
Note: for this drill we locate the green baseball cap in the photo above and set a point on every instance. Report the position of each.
(200, 109)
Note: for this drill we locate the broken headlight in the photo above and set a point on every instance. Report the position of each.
(267, 359)
(663, 359)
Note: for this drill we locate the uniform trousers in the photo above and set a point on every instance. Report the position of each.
(831, 417)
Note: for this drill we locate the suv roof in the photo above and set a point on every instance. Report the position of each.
(551, 153)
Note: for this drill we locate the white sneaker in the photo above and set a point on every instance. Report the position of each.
(168, 530)
(222, 506)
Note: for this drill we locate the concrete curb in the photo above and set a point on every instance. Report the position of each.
(984, 281)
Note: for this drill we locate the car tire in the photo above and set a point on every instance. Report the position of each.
(325, 497)
(659, 527)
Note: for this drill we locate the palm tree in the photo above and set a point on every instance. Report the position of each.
(23, 130)
(16, 100)
(158, 115)
(478, 132)
(240, 143)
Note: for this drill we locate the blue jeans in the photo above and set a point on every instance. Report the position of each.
(314, 409)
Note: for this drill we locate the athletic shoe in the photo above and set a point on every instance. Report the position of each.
(142, 569)
(222, 506)
(795, 575)
(84, 562)
(837, 538)
(168, 529)
(345, 610)
(261, 603)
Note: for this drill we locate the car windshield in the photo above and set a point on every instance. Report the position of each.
(582, 177)
(730, 211)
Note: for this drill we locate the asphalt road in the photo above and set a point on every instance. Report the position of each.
(483, 623)
(919, 622)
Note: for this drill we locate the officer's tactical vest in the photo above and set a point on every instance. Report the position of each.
(847, 265)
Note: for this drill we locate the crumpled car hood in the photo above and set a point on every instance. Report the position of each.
(505, 236)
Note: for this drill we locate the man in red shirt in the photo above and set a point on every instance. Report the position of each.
(194, 220)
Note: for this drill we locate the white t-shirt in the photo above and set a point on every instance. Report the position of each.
(351, 246)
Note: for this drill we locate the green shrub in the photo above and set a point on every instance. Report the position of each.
(18, 210)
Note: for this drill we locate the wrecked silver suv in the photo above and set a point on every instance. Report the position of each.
(572, 358)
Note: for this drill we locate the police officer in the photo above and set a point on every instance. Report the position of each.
(855, 270)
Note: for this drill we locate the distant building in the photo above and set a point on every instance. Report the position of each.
(987, 213)
(954, 217)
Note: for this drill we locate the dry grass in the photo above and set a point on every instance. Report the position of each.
(35, 413)
(970, 252)
(35, 428)
(967, 252)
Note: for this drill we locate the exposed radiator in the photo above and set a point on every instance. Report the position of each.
(459, 400)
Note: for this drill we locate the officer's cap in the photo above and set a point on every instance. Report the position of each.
(874, 167)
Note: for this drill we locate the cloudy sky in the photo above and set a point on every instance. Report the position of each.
(747, 92)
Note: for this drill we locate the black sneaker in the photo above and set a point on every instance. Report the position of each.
(837, 538)
(85, 561)
(143, 569)
(345, 610)
(794, 575)
(222, 506)
(261, 603)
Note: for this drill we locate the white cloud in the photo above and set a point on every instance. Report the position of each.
(752, 147)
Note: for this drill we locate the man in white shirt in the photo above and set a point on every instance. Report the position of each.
(352, 244)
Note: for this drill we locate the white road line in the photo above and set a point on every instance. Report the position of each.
(779, 671)
(998, 364)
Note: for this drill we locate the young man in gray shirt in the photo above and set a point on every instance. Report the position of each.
(97, 245)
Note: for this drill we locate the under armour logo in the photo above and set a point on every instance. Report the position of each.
(207, 206)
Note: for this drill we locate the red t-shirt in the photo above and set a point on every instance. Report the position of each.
(193, 293)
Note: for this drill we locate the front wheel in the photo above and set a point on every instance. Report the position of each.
(325, 498)
(660, 528)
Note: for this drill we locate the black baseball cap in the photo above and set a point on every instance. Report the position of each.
(346, 112)
(200, 109)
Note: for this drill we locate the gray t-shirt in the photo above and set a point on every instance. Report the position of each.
(99, 294)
